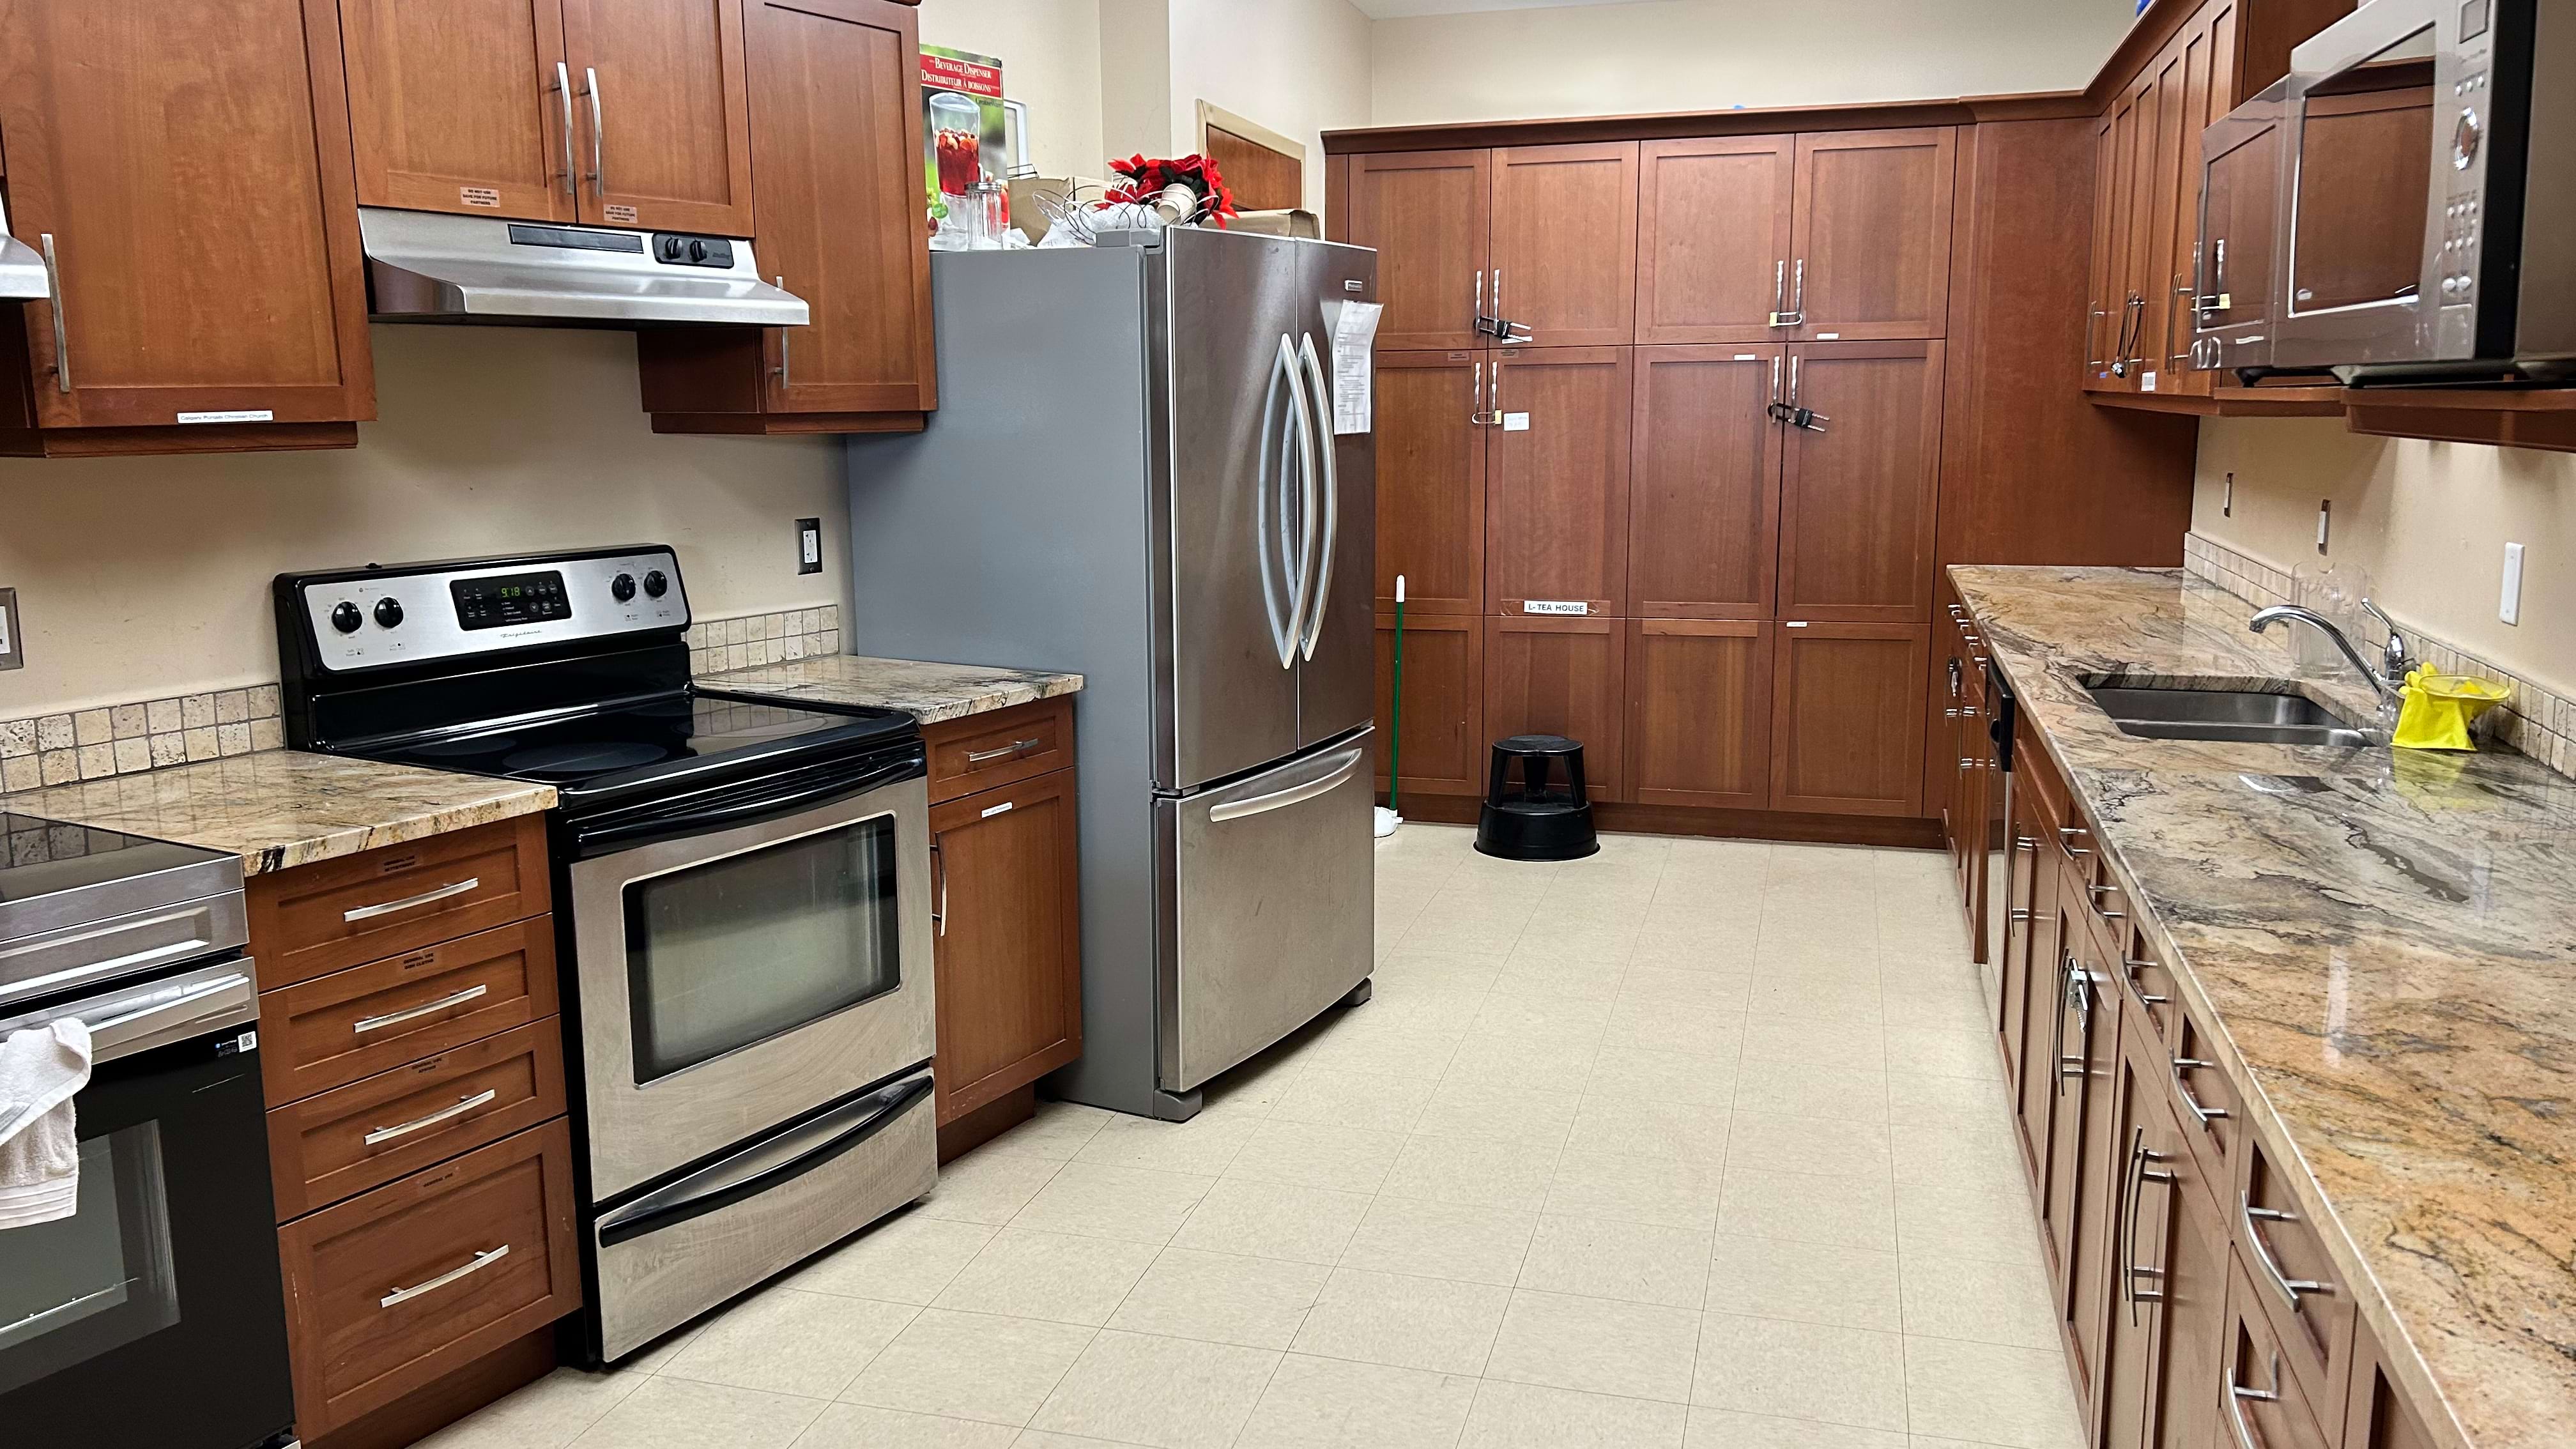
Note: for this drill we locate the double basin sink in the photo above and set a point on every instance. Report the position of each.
(2234, 716)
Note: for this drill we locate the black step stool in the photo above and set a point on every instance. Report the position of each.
(1538, 820)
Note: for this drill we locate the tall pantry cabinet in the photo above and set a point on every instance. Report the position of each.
(1604, 529)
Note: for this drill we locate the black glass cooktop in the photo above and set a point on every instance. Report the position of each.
(626, 743)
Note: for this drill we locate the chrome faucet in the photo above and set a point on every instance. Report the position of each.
(2393, 654)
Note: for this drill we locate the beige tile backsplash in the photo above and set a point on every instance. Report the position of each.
(151, 734)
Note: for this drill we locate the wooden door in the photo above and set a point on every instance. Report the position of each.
(190, 167)
(1428, 214)
(1857, 498)
(1431, 481)
(2081, 1160)
(1443, 719)
(2157, 186)
(1872, 233)
(2187, 1264)
(1699, 721)
(1556, 480)
(464, 106)
(836, 129)
(2131, 1329)
(1714, 239)
(1007, 939)
(659, 87)
(1565, 243)
(2042, 963)
(2197, 49)
(1562, 677)
(1704, 486)
(2128, 152)
(2101, 318)
(1847, 718)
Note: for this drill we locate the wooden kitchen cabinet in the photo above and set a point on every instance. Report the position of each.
(670, 133)
(1443, 729)
(1847, 717)
(1871, 233)
(1857, 498)
(1561, 676)
(1429, 214)
(2077, 1206)
(137, 135)
(1556, 479)
(1431, 481)
(1007, 943)
(1704, 485)
(1714, 239)
(1565, 243)
(1699, 700)
(2379, 1417)
(833, 90)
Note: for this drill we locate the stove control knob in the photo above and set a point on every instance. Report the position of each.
(622, 587)
(656, 585)
(389, 612)
(346, 618)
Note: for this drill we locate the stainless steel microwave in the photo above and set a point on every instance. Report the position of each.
(2428, 204)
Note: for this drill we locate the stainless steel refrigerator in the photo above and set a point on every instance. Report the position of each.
(1145, 467)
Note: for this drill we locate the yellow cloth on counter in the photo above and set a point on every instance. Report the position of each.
(2437, 710)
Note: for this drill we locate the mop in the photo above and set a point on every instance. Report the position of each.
(1387, 818)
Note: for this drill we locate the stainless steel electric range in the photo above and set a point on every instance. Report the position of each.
(742, 896)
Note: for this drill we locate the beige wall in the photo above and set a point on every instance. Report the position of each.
(1696, 55)
(1300, 67)
(149, 576)
(2429, 520)
(1050, 54)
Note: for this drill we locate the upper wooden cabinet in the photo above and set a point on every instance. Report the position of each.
(185, 169)
(1565, 243)
(1431, 481)
(1556, 480)
(1871, 240)
(1427, 213)
(1704, 487)
(554, 110)
(1714, 238)
(834, 93)
(1858, 491)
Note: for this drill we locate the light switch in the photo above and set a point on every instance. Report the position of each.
(2510, 610)
(2325, 517)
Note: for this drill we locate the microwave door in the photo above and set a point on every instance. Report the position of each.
(2360, 183)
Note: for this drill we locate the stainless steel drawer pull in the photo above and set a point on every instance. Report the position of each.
(463, 1106)
(369, 913)
(1016, 747)
(2206, 1115)
(481, 1262)
(2292, 1289)
(2237, 1394)
(379, 1023)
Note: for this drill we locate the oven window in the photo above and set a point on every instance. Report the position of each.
(2365, 178)
(737, 950)
(91, 1283)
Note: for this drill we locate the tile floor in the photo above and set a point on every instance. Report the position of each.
(1699, 1144)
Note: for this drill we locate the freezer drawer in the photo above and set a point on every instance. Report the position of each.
(1270, 914)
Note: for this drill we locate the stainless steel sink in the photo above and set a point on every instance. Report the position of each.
(2241, 716)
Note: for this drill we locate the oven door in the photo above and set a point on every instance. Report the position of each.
(732, 979)
(153, 1317)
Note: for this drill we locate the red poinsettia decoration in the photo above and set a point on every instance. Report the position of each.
(1148, 179)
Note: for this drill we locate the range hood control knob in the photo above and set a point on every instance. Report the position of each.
(346, 618)
(389, 612)
(656, 585)
(622, 587)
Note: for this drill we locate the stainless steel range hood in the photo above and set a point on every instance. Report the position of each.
(22, 272)
(425, 266)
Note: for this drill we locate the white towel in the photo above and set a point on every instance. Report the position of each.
(41, 1070)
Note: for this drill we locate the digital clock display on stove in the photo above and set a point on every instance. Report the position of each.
(498, 601)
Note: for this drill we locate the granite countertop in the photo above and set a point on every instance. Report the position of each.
(278, 809)
(929, 692)
(2386, 943)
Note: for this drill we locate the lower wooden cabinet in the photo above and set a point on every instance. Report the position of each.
(1443, 729)
(1561, 676)
(1699, 724)
(1847, 718)
(2261, 1400)
(341, 1143)
(2379, 1418)
(1006, 883)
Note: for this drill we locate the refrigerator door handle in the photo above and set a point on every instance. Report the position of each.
(1303, 598)
(1331, 488)
(1271, 559)
(1325, 783)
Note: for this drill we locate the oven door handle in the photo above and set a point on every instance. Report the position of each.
(757, 1169)
(750, 809)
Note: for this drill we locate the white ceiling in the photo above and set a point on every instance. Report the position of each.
(1392, 9)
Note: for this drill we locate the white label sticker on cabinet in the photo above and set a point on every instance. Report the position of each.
(618, 215)
(1516, 422)
(993, 810)
(478, 196)
(2146, 382)
(241, 415)
(1828, 336)
(1555, 606)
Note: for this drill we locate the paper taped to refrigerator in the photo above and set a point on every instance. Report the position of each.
(1354, 333)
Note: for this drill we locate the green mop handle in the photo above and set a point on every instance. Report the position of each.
(1395, 742)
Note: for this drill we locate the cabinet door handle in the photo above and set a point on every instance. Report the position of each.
(445, 1114)
(2092, 334)
(1476, 414)
(598, 144)
(939, 866)
(1780, 316)
(2057, 1022)
(481, 1262)
(387, 908)
(1775, 380)
(54, 297)
(1793, 381)
(563, 91)
(396, 1018)
(1798, 300)
(2237, 1394)
(2291, 1289)
(1478, 326)
(1015, 747)
(2190, 1102)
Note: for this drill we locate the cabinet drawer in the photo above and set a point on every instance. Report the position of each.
(2263, 1402)
(2212, 1117)
(352, 1024)
(321, 918)
(2151, 987)
(2309, 1304)
(392, 1290)
(985, 750)
(368, 1133)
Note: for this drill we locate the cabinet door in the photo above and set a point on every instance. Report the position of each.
(2187, 1264)
(2120, 294)
(2102, 309)
(464, 106)
(659, 86)
(2080, 1152)
(1556, 479)
(1872, 233)
(1713, 238)
(1565, 243)
(2043, 985)
(1856, 499)
(1427, 213)
(1008, 939)
(1431, 481)
(837, 133)
(1704, 493)
(2157, 190)
(1699, 700)
(2139, 1208)
(188, 165)
(1847, 718)
(2380, 1417)
(2195, 52)
(1442, 733)
(1561, 677)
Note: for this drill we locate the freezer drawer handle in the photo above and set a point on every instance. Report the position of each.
(1293, 795)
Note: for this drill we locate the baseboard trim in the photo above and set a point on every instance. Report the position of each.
(1906, 832)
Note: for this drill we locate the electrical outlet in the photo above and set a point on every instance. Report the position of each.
(13, 646)
(809, 545)
(2325, 519)
(2510, 610)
